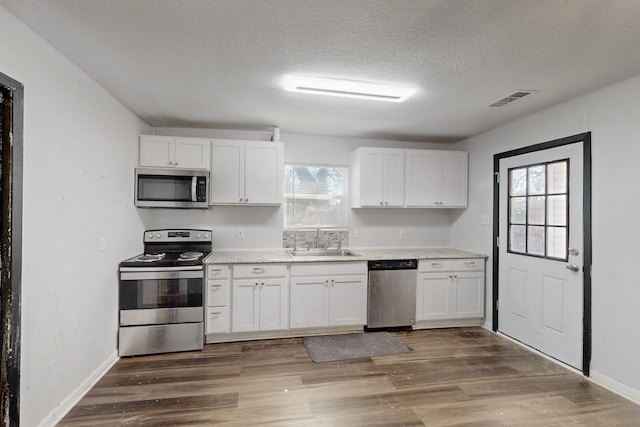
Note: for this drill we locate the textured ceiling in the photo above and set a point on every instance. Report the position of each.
(220, 63)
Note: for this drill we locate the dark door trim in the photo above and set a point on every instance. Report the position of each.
(585, 139)
(12, 110)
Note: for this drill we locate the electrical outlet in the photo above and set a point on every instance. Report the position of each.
(403, 234)
(485, 220)
(240, 233)
(103, 243)
(355, 234)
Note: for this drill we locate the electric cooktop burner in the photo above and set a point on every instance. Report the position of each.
(150, 257)
(189, 256)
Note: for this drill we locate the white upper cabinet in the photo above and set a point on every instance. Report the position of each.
(377, 177)
(388, 177)
(246, 172)
(174, 152)
(436, 178)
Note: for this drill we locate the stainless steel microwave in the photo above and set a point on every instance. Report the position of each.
(171, 188)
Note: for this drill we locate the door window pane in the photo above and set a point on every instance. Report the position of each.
(518, 238)
(536, 210)
(537, 179)
(518, 182)
(518, 210)
(539, 210)
(535, 240)
(557, 242)
(557, 210)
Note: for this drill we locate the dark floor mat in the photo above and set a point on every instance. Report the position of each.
(329, 348)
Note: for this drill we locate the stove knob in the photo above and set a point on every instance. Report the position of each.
(198, 236)
(150, 235)
(206, 235)
(158, 235)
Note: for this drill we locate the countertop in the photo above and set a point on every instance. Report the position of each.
(251, 256)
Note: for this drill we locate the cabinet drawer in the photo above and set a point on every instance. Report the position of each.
(217, 292)
(471, 264)
(250, 271)
(217, 271)
(341, 268)
(217, 320)
(434, 265)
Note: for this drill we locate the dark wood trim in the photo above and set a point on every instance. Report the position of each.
(585, 139)
(11, 247)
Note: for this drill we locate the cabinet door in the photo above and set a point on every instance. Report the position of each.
(246, 305)
(433, 299)
(156, 151)
(274, 304)
(469, 294)
(422, 178)
(193, 153)
(393, 181)
(309, 302)
(263, 173)
(227, 172)
(371, 177)
(347, 300)
(454, 179)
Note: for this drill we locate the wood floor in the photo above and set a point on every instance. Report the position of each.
(461, 377)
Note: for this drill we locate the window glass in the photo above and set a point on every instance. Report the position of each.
(539, 210)
(315, 196)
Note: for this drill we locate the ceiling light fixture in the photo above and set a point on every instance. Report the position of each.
(347, 88)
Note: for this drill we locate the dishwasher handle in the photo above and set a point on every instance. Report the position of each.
(393, 264)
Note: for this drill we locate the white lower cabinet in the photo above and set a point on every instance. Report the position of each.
(328, 294)
(260, 297)
(450, 289)
(218, 297)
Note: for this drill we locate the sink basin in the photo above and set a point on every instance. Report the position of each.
(322, 252)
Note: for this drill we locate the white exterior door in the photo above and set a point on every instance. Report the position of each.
(540, 278)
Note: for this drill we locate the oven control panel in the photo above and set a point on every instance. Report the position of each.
(177, 236)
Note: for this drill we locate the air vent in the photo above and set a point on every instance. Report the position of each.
(509, 99)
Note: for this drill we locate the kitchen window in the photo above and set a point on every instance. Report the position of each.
(539, 210)
(315, 196)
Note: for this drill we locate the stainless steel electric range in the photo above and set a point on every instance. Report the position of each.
(161, 293)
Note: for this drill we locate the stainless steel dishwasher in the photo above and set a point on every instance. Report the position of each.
(392, 293)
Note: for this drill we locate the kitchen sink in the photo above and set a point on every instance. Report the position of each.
(322, 253)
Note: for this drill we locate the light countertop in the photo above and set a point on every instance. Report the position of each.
(251, 256)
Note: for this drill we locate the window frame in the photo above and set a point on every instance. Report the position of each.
(344, 198)
(546, 225)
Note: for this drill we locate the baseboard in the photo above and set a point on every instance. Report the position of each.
(70, 401)
(617, 387)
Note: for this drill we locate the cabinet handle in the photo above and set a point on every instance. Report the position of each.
(246, 200)
(176, 164)
(436, 264)
(386, 203)
(381, 203)
(170, 163)
(470, 263)
(215, 312)
(258, 270)
(255, 285)
(215, 269)
(241, 200)
(326, 283)
(349, 281)
(215, 286)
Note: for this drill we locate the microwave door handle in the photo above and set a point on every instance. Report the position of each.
(194, 185)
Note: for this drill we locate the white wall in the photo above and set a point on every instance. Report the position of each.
(263, 225)
(611, 114)
(80, 148)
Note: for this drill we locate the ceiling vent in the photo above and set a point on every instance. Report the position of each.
(513, 97)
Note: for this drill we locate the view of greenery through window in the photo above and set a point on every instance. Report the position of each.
(315, 196)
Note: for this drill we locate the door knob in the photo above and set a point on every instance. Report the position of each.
(574, 252)
(573, 267)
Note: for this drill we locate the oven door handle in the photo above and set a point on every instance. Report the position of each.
(144, 275)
